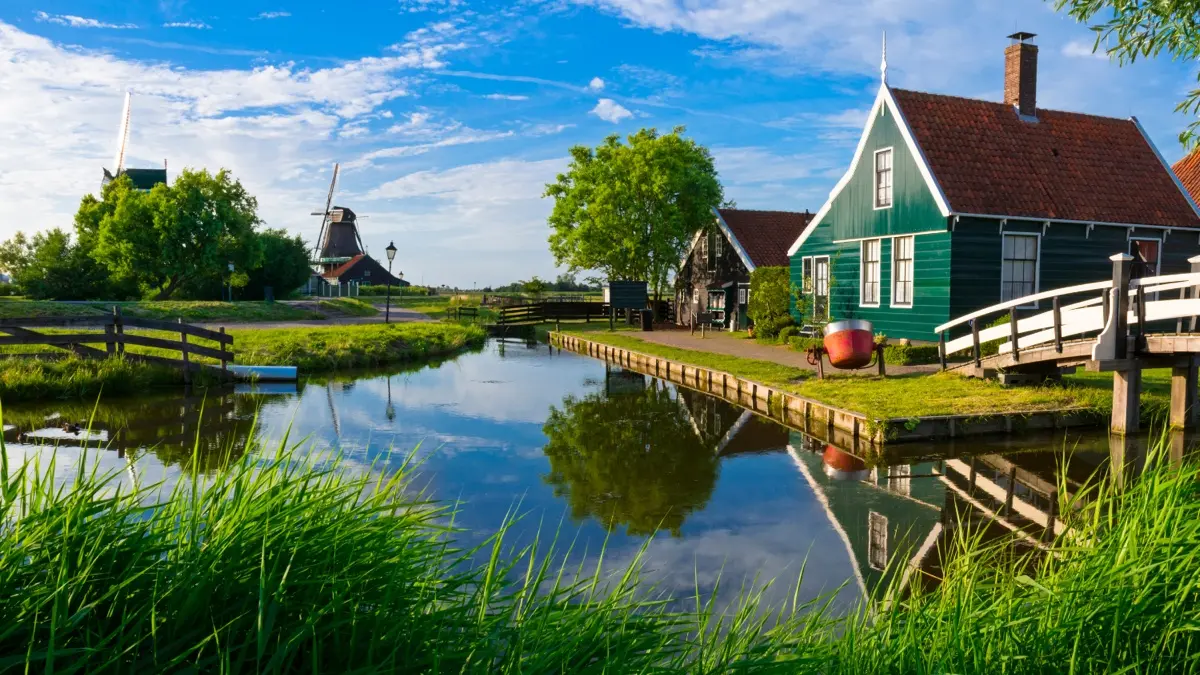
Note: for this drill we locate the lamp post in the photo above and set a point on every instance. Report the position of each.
(391, 254)
(231, 281)
(401, 278)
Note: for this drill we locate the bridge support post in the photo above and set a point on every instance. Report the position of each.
(1122, 268)
(1126, 403)
(1183, 393)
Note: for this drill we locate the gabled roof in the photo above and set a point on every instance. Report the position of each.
(979, 158)
(338, 271)
(1187, 170)
(1064, 166)
(762, 236)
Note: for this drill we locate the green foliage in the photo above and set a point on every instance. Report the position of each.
(630, 209)
(629, 459)
(24, 379)
(769, 329)
(786, 333)
(51, 265)
(348, 306)
(535, 287)
(322, 348)
(8, 290)
(407, 291)
(285, 265)
(1131, 29)
(770, 289)
(172, 237)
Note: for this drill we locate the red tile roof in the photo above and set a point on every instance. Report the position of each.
(1065, 166)
(765, 236)
(1188, 171)
(338, 271)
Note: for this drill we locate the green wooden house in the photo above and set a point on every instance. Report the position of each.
(953, 204)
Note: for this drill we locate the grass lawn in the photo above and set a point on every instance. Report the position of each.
(170, 310)
(348, 306)
(905, 396)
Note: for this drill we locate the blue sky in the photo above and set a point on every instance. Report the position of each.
(449, 116)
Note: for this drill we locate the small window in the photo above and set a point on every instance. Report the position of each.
(877, 542)
(902, 272)
(899, 479)
(1018, 266)
(366, 274)
(806, 274)
(696, 295)
(883, 178)
(870, 273)
(1146, 256)
(743, 292)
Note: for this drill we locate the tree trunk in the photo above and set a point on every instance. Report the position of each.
(167, 291)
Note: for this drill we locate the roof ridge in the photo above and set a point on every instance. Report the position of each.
(1005, 105)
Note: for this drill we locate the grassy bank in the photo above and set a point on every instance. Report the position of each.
(910, 395)
(189, 311)
(284, 565)
(348, 306)
(310, 349)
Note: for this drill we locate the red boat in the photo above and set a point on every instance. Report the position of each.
(850, 343)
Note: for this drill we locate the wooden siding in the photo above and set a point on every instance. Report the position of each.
(694, 275)
(853, 213)
(1069, 255)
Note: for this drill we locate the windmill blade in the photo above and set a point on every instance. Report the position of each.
(122, 138)
(320, 243)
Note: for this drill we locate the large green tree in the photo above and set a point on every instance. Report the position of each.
(1131, 29)
(285, 267)
(52, 266)
(630, 209)
(170, 237)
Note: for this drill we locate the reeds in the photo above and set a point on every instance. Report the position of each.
(287, 564)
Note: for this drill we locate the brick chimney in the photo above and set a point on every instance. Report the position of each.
(1020, 74)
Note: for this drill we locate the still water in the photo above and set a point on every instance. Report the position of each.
(607, 458)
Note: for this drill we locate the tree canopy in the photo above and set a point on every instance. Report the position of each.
(172, 236)
(630, 209)
(1132, 29)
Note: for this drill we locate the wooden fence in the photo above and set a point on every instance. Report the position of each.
(541, 312)
(19, 332)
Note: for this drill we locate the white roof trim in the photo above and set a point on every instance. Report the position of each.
(737, 245)
(1170, 172)
(884, 97)
(687, 254)
(833, 521)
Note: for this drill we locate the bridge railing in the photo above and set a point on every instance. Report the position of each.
(1091, 315)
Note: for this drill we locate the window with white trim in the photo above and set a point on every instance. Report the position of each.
(883, 178)
(877, 540)
(821, 287)
(902, 271)
(869, 273)
(1018, 266)
(1146, 255)
(806, 274)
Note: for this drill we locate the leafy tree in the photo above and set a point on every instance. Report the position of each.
(630, 459)
(286, 264)
(534, 287)
(770, 291)
(50, 266)
(170, 237)
(630, 209)
(1132, 29)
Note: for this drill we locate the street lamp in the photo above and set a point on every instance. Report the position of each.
(401, 277)
(391, 253)
(231, 281)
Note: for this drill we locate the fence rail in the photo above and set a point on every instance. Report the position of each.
(541, 312)
(19, 331)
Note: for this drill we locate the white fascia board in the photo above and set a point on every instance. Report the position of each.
(1170, 172)
(688, 253)
(737, 245)
(883, 98)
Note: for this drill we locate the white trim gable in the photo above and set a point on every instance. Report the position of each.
(688, 253)
(884, 97)
(737, 245)
(1170, 172)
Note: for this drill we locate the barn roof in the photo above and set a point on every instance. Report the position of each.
(764, 236)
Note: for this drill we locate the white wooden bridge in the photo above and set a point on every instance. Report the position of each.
(1119, 325)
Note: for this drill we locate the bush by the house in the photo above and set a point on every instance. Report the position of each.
(770, 290)
(382, 289)
(786, 333)
(768, 329)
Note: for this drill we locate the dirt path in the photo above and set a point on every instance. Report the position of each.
(724, 343)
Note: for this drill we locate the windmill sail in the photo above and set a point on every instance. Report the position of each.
(122, 138)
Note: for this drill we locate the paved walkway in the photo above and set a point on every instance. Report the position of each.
(725, 343)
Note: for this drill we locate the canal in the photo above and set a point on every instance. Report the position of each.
(609, 460)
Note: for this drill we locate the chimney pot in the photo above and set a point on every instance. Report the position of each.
(1020, 74)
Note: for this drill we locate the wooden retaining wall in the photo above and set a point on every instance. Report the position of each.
(844, 428)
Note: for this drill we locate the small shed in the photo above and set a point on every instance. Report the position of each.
(627, 294)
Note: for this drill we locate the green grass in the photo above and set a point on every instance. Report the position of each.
(348, 306)
(170, 310)
(283, 564)
(910, 395)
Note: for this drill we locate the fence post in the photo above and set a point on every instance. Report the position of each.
(1140, 345)
(975, 346)
(224, 360)
(110, 336)
(1012, 332)
(1195, 261)
(942, 349)
(1057, 325)
(1122, 266)
(183, 348)
(119, 327)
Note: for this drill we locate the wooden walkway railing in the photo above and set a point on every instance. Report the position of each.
(114, 339)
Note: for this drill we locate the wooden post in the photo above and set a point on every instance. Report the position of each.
(119, 326)
(1183, 394)
(1008, 494)
(976, 349)
(1122, 267)
(224, 360)
(1195, 261)
(1057, 325)
(1126, 400)
(183, 348)
(110, 337)
(1012, 332)
(612, 316)
(942, 349)
(879, 349)
(1140, 344)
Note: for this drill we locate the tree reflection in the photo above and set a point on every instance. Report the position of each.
(633, 459)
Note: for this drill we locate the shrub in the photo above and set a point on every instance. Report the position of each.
(910, 355)
(787, 332)
(8, 290)
(769, 329)
(770, 289)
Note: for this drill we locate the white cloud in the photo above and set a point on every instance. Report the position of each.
(507, 97)
(440, 6)
(1083, 50)
(274, 15)
(610, 111)
(596, 84)
(79, 21)
(198, 25)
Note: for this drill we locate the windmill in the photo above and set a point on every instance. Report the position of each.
(338, 239)
(143, 179)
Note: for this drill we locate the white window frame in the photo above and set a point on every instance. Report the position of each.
(817, 259)
(862, 273)
(877, 559)
(807, 270)
(912, 282)
(891, 171)
(1037, 265)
